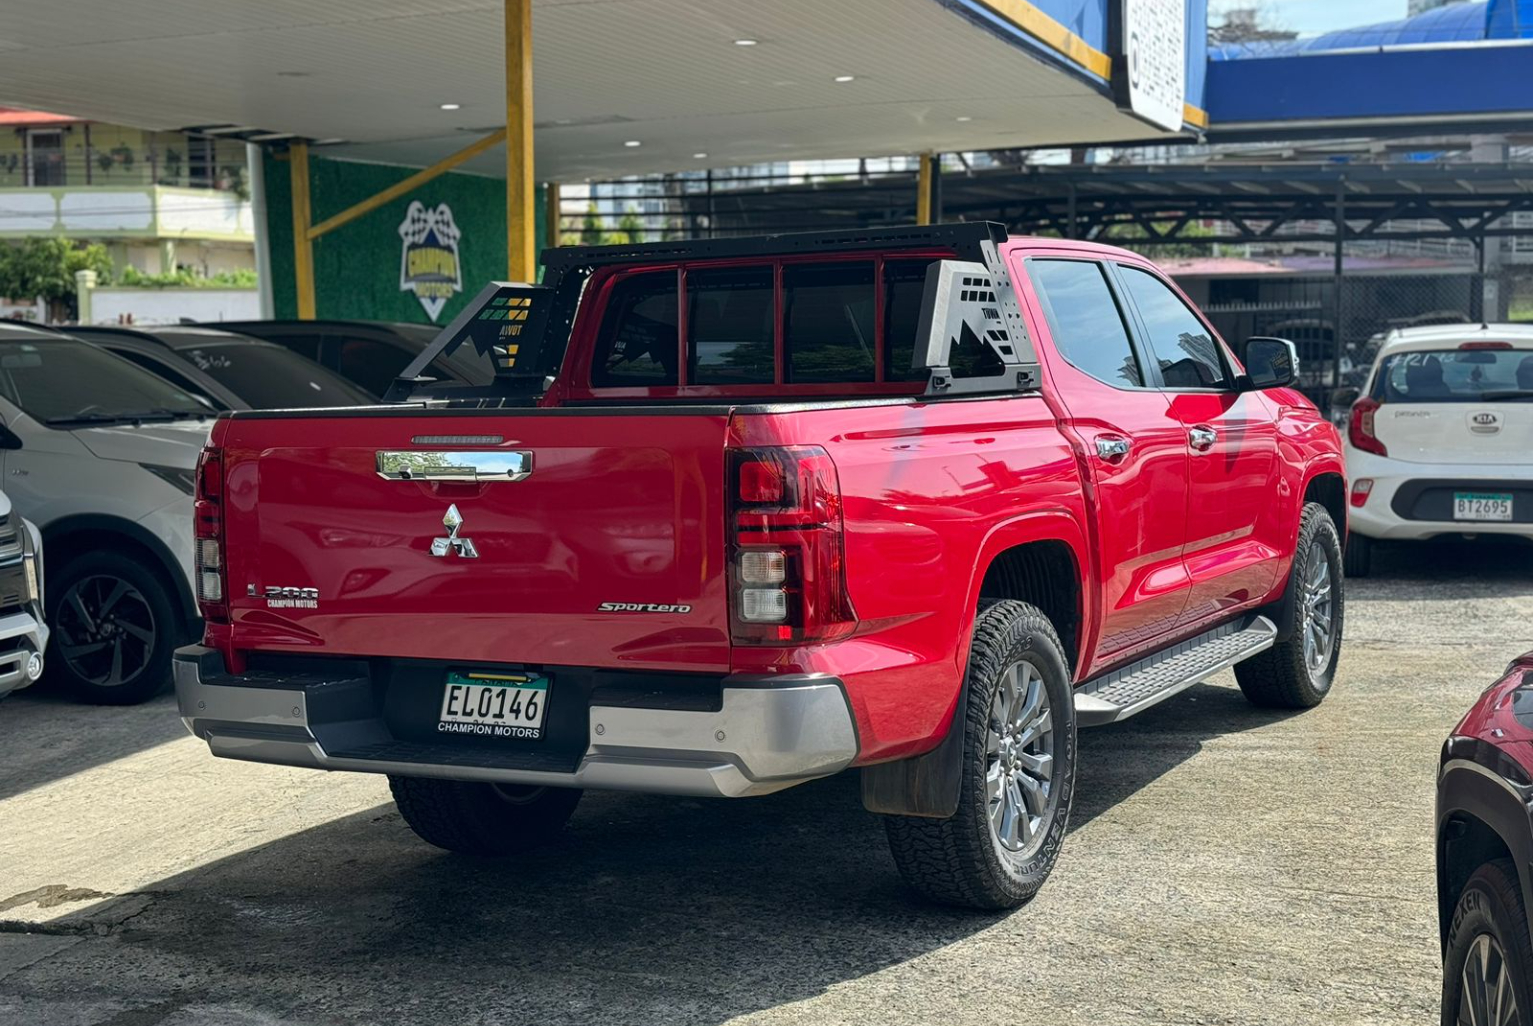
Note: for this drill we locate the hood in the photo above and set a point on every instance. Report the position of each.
(171, 444)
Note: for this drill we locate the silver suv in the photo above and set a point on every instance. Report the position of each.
(23, 636)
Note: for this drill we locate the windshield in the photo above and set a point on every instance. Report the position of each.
(1455, 376)
(269, 377)
(63, 380)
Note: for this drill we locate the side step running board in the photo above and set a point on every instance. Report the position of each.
(1134, 688)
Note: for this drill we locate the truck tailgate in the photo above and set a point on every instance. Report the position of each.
(610, 553)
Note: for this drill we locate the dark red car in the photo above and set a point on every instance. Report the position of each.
(738, 514)
(1485, 856)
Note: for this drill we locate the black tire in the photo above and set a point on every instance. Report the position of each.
(114, 629)
(1359, 558)
(1284, 676)
(962, 860)
(483, 819)
(1490, 929)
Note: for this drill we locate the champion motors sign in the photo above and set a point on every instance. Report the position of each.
(428, 262)
(1150, 66)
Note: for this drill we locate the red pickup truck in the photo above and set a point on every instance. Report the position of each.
(738, 514)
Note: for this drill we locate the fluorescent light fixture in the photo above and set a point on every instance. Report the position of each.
(699, 156)
(631, 143)
(845, 78)
(745, 42)
(963, 118)
(451, 106)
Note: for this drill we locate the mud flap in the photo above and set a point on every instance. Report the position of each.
(927, 785)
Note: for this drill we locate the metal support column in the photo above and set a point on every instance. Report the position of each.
(521, 216)
(924, 189)
(303, 245)
(1337, 340)
(553, 213)
(1071, 228)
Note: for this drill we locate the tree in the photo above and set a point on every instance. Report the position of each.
(630, 229)
(45, 266)
(590, 226)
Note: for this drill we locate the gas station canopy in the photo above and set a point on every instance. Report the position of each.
(622, 86)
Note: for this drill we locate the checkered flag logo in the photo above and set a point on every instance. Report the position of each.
(428, 261)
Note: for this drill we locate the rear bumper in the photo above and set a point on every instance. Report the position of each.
(768, 734)
(1413, 500)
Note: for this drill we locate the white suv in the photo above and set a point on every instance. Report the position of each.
(1440, 440)
(101, 455)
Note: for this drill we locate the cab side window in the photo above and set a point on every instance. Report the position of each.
(1085, 321)
(1189, 355)
(636, 345)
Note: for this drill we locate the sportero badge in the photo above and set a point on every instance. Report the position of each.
(464, 547)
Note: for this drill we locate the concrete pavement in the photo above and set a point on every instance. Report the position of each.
(1225, 865)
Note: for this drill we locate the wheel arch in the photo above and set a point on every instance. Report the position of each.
(1036, 558)
(1327, 485)
(73, 535)
(1479, 819)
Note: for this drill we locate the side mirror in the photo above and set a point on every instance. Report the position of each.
(1343, 398)
(1270, 363)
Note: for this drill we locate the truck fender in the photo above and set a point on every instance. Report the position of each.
(1281, 610)
(930, 784)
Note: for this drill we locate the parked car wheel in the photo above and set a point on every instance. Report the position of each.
(1488, 967)
(1296, 673)
(114, 629)
(482, 819)
(1019, 771)
(1359, 558)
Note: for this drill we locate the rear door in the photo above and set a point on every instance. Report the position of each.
(1234, 542)
(607, 551)
(1134, 448)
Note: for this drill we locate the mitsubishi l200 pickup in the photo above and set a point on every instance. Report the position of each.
(739, 514)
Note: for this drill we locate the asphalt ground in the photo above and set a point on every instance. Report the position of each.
(1225, 865)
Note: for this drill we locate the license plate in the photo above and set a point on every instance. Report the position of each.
(1482, 506)
(510, 705)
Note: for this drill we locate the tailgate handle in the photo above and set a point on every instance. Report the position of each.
(458, 465)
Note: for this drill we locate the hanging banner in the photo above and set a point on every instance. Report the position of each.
(1150, 60)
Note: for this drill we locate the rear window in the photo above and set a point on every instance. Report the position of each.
(269, 377)
(1455, 376)
(828, 322)
(825, 315)
(729, 327)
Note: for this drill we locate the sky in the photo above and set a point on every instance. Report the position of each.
(1309, 17)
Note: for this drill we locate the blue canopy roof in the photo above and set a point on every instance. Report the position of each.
(1451, 23)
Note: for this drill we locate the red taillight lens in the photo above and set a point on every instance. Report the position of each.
(1485, 345)
(1361, 489)
(760, 483)
(787, 573)
(208, 531)
(1360, 427)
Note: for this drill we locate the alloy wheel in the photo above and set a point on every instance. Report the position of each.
(106, 630)
(1019, 759)
(1319, 610)
(1486, 997)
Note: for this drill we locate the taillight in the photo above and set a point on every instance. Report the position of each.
(1485, 345)
(1361, 489)
(787, 573)
(1360, 428)
(208, 513)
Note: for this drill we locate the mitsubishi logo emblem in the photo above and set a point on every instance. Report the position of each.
(464, 547)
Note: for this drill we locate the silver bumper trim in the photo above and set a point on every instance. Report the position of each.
(763, 739)
(13, 663)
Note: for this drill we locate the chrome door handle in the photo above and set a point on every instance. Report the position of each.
(1202, 438)
(459, 465)
(1113, 448)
